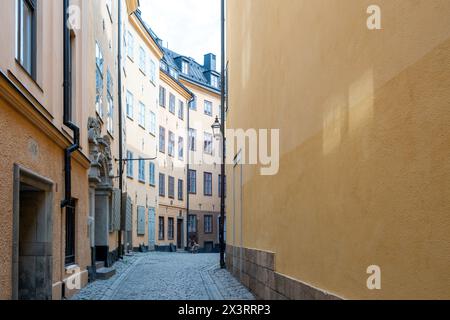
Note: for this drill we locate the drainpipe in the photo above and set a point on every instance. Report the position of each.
(68, 201)
(119, 89)
(188, 195)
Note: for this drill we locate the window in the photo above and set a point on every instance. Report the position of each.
(162, 97)
(152, 123)
(151, 174)
(170, 228)
(152, 71)
(171, 146)
(207, 184)
(142, 59)
(192, 182)
(208, 108)
(214, 81)
(161, 228)
(130, 168)
(162, 140)
(130, 42)
(192, 223)
(208, 225)
(180, 190)
(70, 235)
(220, 185)
(26, 36)
(141, 119)
(99, 80)
(141, 170)
(110, 101)
(171, 187)
(193, 104)
(130, 105)
(180, 148)
(192, 139)
(185, 67)
(173, 73)
(171, 103)
(208, 143)
(181, 110)
(162, 184)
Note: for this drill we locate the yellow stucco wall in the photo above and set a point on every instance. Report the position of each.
(364, 116)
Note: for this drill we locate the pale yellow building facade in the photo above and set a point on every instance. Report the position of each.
(141, 86)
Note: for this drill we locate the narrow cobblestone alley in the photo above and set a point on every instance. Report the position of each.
(167, 276)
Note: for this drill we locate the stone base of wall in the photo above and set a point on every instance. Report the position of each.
(255, 269)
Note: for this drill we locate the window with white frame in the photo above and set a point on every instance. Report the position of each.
(130, 105)
(192, 223)
(185, 67)
(130, 45)
(110, 102)
(130, 168)
(208, 108)
(180, 110)
(192, 139)
(152, 71)
(152, 124)
(208, 143)
(192, 182)
(171, 190)
(141, 170)
(99, 80)
(162, 140)
(142, 59)
(208, 225)
(180, 148)
(172, 103)
(207, 184)
(141, 118)
(171, 144)
(152, 174)
(162, 97)
(215, 81)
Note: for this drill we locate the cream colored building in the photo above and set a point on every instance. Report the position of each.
(203, 169)
(172, 158)
(142, 57)
(364, 159)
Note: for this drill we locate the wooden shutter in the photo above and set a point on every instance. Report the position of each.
(141, 221)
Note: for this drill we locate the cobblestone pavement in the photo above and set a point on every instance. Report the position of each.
(167, 276)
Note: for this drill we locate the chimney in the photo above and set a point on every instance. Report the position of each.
(210, 62)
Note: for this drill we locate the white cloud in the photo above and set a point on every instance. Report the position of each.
(188, 27)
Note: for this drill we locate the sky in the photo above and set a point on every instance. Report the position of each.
(188, 27)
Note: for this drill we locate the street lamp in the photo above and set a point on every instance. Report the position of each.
(216, 127)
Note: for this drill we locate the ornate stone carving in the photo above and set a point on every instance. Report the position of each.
(101, 171)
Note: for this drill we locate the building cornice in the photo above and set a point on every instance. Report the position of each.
(195, 86)
(174, 85)
(132, 6)
(19, 101)
(145, 36)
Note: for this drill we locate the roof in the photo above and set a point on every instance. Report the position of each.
(196, 72)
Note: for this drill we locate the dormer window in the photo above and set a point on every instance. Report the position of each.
(214, 81)
(173, 73)
(185, 67)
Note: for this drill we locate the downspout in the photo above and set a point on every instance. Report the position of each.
(68, 200)
(188, 195)
(119, 89)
